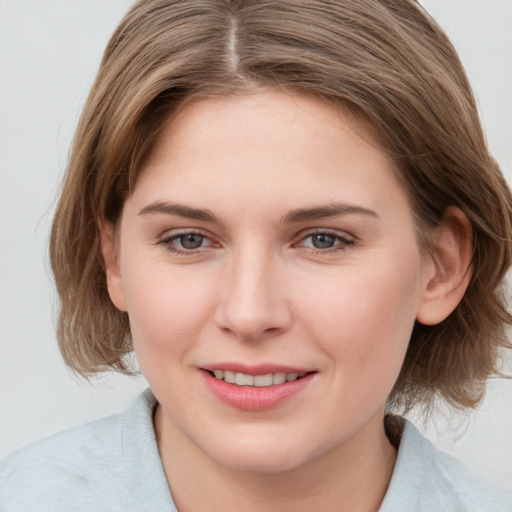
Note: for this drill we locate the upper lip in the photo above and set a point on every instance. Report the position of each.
(258, 369)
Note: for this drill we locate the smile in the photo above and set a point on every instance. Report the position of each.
(256, 388)
(261, 381)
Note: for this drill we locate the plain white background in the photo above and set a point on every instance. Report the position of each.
(49, 53)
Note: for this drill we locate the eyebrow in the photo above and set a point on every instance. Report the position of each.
(180, 210)
(326, 211)
(294, 216)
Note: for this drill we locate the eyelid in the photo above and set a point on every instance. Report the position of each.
(326, 231)
(177, 232)
(169, 236)
(343, 238)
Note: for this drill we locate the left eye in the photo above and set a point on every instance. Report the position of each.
(325, 241)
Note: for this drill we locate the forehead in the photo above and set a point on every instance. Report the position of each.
(269, 147)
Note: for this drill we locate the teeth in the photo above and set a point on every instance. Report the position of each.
(244, 380)
(229, 377)
(270, 379)
(263, 380)
(279, 378)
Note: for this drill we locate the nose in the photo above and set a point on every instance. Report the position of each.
(253, 303)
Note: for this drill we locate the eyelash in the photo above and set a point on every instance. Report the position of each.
(341, 242)
(168, 242)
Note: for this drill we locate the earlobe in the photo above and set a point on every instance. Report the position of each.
(448, 269)
(112, 270)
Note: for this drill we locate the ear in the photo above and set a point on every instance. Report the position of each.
(447, 268)
(112, 270)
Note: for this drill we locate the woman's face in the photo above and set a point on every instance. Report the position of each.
(267, 241)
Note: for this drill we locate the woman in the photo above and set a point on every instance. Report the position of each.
(269, 203)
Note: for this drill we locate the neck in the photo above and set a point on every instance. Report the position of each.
(351, 477)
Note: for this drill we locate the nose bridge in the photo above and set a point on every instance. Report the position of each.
(252, 302)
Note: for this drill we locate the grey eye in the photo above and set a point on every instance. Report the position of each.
(191, 241)
(323, 241)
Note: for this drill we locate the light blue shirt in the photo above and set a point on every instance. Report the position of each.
(113, 465)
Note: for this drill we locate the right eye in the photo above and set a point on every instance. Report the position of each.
(186, 242)
(190, 241)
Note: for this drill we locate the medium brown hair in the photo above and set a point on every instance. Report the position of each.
(385, 60)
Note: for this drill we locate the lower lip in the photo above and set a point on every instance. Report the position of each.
(252, 398)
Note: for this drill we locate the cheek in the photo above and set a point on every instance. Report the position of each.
(167, 310)
(363, 319)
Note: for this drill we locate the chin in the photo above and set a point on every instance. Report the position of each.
(247, 454)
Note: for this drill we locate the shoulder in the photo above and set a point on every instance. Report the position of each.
(48, 468)
(90, 467)
(427, 479)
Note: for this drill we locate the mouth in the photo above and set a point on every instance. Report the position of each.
(256, 388)
(259, 381)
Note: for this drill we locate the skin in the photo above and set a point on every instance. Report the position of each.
(258, 291)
